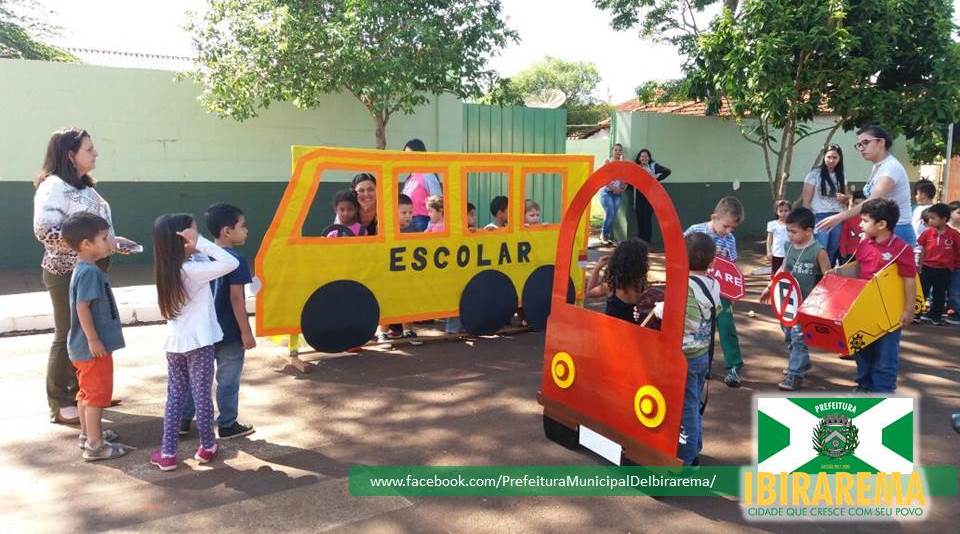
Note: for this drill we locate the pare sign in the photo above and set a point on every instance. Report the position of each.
(786, 298)
(729, 278)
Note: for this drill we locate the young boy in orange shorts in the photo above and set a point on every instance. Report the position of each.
(95, 332)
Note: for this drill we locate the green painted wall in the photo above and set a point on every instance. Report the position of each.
(708, 155)
(160, 152)
(514, 129)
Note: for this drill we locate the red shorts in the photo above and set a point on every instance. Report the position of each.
(96, 381)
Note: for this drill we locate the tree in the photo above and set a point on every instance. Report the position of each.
(781, 62)
(21, 29)
(577, 79)
(389, 54)
(776, 64)
(678, 22)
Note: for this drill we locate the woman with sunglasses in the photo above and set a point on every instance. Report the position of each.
(888, 179)
(825, 193)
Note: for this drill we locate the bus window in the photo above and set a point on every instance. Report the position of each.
(490, 193)
(543, 198)
(322, 215)
(423, 187)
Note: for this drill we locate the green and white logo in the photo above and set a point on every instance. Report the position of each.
(835, 434)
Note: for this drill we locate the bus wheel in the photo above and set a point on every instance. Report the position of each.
(340, 315)
(487, 303)
(561, 434)
(536, 296)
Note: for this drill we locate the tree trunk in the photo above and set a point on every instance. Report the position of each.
(731, 5)
(784, 159)
(380, 123)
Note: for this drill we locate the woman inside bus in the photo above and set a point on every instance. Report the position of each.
(365, 186)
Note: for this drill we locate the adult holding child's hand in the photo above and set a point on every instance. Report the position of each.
(64, 187)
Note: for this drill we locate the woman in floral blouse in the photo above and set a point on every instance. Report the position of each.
(64, 187)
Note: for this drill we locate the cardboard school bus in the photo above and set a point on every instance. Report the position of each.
(610, 385)
(337, 290)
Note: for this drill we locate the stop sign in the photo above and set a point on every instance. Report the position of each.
(729, 278)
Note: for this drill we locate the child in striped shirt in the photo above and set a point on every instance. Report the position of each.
(723, 221)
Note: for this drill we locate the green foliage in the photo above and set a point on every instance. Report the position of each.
(20, 31)
(664, 91)
(670, 21)
(776, 63)
(577, 79)
(389, 54)
(589, 113)
(501, 92)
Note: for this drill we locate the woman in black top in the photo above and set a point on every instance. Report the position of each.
(643, 209)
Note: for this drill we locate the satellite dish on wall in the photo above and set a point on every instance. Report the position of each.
(548, 98)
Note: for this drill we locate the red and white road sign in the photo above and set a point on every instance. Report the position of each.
(786, 298)
(729, 278)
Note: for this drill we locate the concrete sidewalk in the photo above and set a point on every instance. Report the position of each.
(25, 306)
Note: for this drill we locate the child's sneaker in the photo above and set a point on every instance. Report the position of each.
(791, 383)
(106, 451)
(108, 435)
(164, 463)
(806, 369)
(732, 379)
(235, 430)
(184, 427)
(412, 336)
(930, 321)
(206, 455)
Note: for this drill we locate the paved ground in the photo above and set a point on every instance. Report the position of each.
(452, 403)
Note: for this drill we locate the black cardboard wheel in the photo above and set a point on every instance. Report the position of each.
(536, 296)
(339, 315)
(487, 303)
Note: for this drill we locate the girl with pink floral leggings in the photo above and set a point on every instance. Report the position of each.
(183, 271)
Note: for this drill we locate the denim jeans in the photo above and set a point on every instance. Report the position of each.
(611, 204)
(954, 291)
(453, 325)
(799, 353)
(905, 232)
(878, 364)
(692, 420)
(229, 359)
(419, 223)
(829, 240)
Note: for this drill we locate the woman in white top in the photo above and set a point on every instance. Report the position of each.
(888, 179)
(64, 187)
(184, 271)
(610, 197)
(825, 193)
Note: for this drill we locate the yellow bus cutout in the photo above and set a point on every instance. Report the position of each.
(337, 290)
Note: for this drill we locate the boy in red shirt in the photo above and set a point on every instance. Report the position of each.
(851, 233)
(878, 363)
(940, 253)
